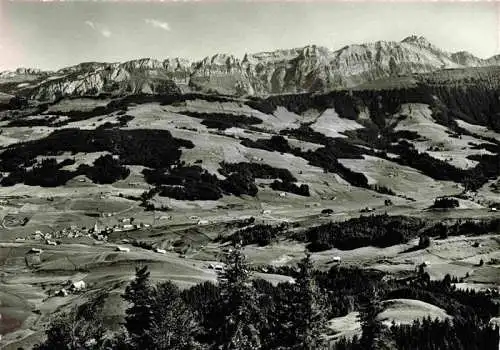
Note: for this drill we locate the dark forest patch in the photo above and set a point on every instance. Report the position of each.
(445, 203)
(275, 143)
(150, 148)
(375, 230)
(302, 190)
(262, 171)
(223, 121)
(195, 183)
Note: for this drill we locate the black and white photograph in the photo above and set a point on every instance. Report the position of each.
(249, 175)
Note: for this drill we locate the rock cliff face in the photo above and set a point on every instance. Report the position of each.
(311, 68)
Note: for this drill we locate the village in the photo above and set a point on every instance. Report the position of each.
(96, 232)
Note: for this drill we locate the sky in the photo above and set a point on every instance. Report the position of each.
(51, 35)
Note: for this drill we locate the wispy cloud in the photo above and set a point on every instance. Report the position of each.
(157, 24)
(90, 24)
(105, 32)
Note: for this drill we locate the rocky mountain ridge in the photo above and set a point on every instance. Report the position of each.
(306, 69)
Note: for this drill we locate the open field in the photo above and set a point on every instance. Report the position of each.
(346, 326)
(401, 179)
(331, 125)
(406, 311)
(77, 104)
(436, 139)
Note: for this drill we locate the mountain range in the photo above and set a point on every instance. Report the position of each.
(307, 69)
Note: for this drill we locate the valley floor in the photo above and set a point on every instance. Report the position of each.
(27, 294)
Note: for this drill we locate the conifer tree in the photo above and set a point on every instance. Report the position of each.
(174, 325)
(372, 328)
(308, 321)
(139, 316)
(241, 315)
(424, 242)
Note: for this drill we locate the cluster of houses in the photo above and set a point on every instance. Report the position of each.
(100, 234)
(71, 287)
(49, 238)
(198, 220)
(125, 224)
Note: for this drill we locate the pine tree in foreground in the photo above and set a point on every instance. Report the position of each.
(308, 321)
(372, 329)
(241, 314)
(139, 316)
(174, 324)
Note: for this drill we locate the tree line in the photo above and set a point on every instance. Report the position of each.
(240, 312)
(368, 230)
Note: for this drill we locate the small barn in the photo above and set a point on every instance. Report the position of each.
(33, 257)
(161, 251)
(62, 293)
(327, 211)
(219, 267)
(77, 286)
(122, 249)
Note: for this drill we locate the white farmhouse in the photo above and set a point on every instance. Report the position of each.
(122, 249)
(77, 286)
(161, 251)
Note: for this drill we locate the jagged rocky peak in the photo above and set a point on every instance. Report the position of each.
(355, 50)
(493, 61)
(314, 51)
(218, 63)
(143, 63)
(423, 43)
(270, 56)
(417, 40)
(172, 64)
(83, 67)
(222, 59)
(465, 58)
